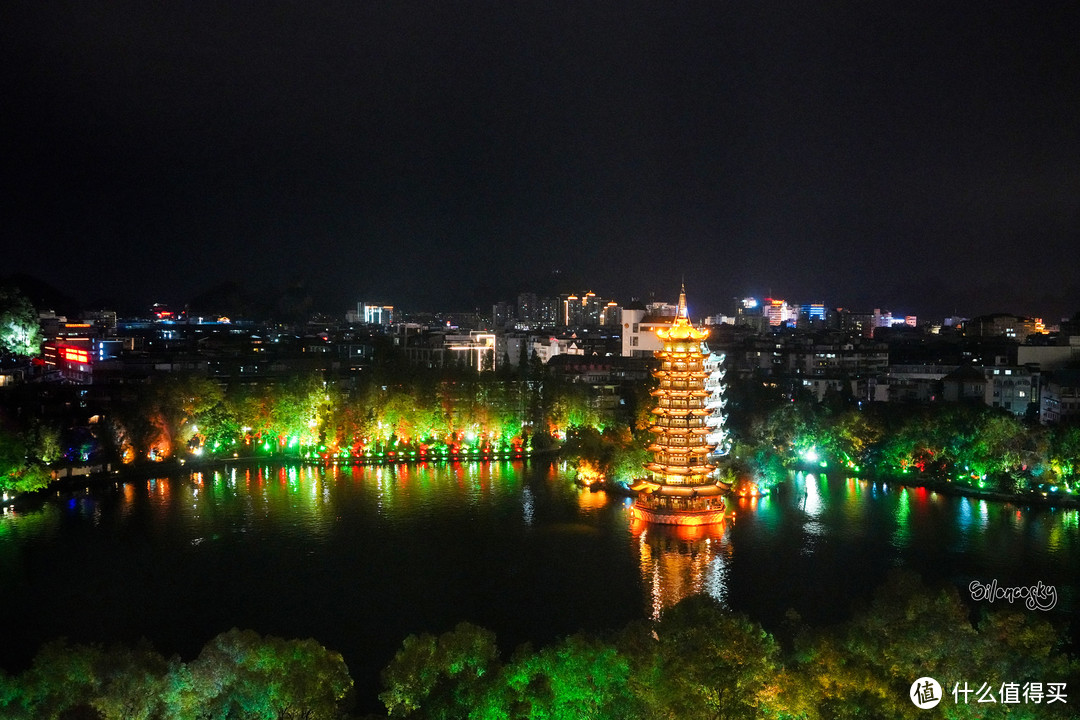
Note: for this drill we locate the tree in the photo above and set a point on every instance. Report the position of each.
(20, 333)
(441, 678)
(580, 677)
(19, 470)
(63, 679)
(134, 683)
(865, 669)
(851, 435)
(711, 663)
(243, 674)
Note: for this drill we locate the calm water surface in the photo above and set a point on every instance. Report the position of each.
(359, 557)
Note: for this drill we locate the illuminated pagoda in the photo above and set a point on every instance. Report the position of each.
(681, 488)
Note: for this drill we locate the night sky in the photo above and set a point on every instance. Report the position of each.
(911, 156)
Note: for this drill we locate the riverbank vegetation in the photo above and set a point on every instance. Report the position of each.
(698, 661)
(971, 448)
(387, 417)
(398, 413)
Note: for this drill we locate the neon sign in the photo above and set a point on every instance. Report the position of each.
(75, 355)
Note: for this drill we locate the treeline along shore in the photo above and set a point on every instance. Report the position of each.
(698, 660)
(461, 415)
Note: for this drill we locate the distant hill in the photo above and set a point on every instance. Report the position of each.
(42, 295)
(230, 299)
(239, 301)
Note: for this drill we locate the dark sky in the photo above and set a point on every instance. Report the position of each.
(921, 157)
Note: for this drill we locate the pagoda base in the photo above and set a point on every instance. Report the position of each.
(664, 516)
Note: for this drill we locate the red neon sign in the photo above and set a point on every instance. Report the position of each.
(75, 355)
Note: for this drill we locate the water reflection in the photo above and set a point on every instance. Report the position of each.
(902, 517)
(592, 500)
(814, 492)
(360, 556)
(678, 561)
(309, 500)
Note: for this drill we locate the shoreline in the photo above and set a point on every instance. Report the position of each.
(71, 483)
(947, 487)
(21, 502)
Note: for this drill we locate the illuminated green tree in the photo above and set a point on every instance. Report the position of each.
(711, 663)
(865, 669)
(441, 678)
(1063, 453)
(298, 408)
(62, 678)
(193, 409)
(850, 436)
(134, 683)
(580, 677)
(20, 333)
(20, 470)
(240, 674)
(786, 430)
(44, 443)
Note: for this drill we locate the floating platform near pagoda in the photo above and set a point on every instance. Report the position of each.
(681, 488)
(674, 505)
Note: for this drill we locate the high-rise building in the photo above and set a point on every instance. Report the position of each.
(549, 311)
(528, 307)
(570, 314)
(591, 309)
(779, 312)
(681, 488)
(812, 312)
(501, 315)
(586, 310)
(372, 314)
(612, 315)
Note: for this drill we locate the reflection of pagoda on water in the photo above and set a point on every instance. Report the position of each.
(679, 561)
(681, 488)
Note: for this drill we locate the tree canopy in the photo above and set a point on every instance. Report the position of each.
(20, 333)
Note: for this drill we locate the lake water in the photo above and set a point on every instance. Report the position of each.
(359, 557)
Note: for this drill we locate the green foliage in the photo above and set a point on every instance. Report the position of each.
(444, 677)
(615, 452)
(242, 674)
(238, 675)
(865, 669)
(698, 661)
(850, 435)
(580, 677)
(44, 443)
(712, 663)
(979, 447)
(20, 333)
(61, 677)
(20, 471)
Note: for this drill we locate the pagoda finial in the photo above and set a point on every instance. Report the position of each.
(683, 312)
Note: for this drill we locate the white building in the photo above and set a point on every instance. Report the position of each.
(639, 331)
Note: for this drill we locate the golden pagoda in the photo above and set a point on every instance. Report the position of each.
(681, 488)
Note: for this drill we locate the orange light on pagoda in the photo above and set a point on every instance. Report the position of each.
(681, 488)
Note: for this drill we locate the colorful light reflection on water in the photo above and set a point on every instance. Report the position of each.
(360, 556)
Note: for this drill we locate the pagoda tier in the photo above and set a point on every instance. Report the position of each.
(681, 488)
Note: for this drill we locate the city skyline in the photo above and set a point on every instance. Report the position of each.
(908, 157)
